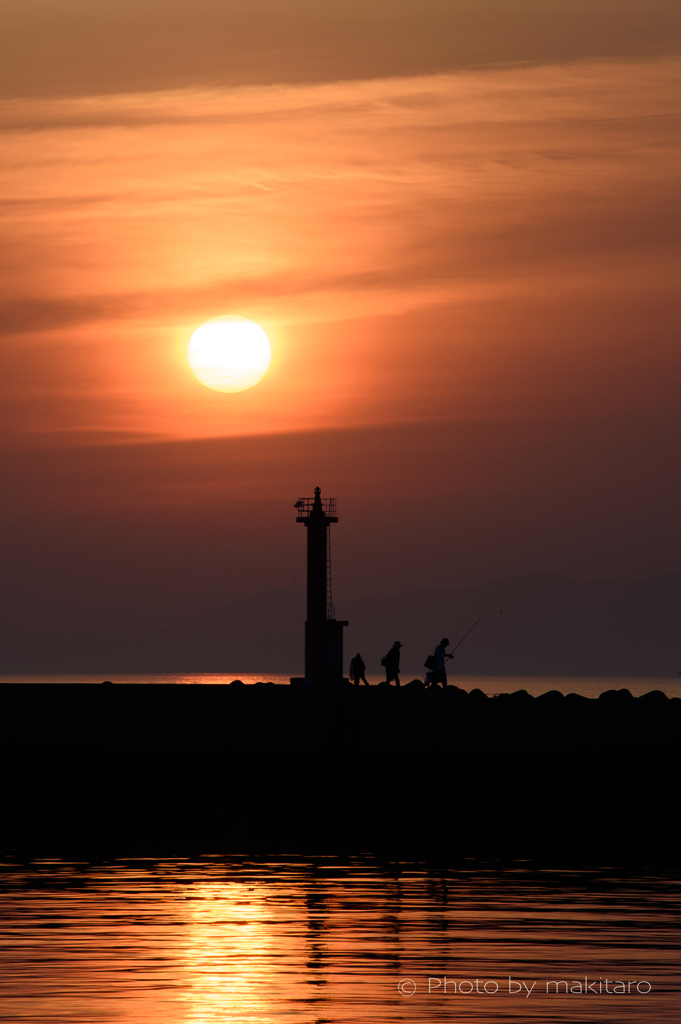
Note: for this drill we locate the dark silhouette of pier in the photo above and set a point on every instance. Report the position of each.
(159, 769)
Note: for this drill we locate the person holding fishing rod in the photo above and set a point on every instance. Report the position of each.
(436, 662)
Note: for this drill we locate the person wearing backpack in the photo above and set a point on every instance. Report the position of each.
(391, 663)
(436, 664)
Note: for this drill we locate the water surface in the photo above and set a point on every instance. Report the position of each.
(202, 941)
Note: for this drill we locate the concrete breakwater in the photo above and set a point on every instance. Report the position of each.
(166, 769)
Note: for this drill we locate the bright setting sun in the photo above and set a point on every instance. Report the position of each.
(229, 353)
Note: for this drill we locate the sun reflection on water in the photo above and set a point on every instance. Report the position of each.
(198, 943)
(230, 942)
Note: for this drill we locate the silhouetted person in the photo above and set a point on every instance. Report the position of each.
(438, 673)
(357, 670)
(392, 663)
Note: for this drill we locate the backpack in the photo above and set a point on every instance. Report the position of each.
(429, 663)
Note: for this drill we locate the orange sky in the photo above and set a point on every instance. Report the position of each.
(441, 213)
(370, 227)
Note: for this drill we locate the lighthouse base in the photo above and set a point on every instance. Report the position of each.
(324, 650)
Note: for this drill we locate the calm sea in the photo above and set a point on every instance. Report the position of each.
(590, 687)
(181, 942)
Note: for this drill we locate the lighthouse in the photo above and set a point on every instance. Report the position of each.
(323, 631)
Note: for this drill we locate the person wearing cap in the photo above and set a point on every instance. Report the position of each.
(392, 663)
(440, 656)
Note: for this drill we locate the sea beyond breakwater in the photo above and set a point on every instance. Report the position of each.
(587, 686)
(132, 770)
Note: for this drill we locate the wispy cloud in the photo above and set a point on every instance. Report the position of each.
(127, 220)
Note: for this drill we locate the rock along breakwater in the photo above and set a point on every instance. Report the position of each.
(122, 770)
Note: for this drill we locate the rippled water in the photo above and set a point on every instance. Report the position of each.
(323, 942)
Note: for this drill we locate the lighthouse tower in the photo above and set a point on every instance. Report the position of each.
(323, 631)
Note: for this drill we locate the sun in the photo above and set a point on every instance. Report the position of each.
(229, 353)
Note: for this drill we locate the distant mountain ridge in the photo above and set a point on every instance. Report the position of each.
(547, 625)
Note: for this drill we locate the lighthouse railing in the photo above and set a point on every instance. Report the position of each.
(304, 507)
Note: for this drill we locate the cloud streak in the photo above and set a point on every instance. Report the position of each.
(327, 212)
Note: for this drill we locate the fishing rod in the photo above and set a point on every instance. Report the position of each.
(451, 653)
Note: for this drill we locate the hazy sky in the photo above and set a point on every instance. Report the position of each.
(458, 223)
